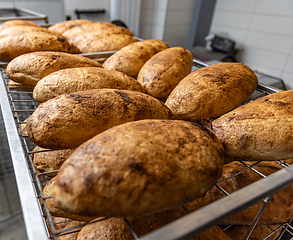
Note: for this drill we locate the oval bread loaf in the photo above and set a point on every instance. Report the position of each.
(67, 230)
(46, 160)
(61, 27)
(116, 228)
(98, 27)
(92, 34)
(68, 120)
(268, 232)
(14, 46)
(131, 58)
(10, 31)
(57, 212)
(139, 168)
(259, 130)
(105, 42)
(162, 72)
(83, 78)
(278, 210)
(17, 22)
(212, 91)
(30, 68)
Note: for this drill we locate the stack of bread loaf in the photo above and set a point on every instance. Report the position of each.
(91, 37)
(140, 134)
(74, 36)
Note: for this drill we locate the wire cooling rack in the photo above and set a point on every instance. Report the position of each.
(17, 105)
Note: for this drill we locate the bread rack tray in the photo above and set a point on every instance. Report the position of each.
(37, 217)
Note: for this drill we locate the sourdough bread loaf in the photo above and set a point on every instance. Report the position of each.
(116, 228)
(131, 58)
(104, 42)
(259, 130)
(16, 45)
(17, 22)
(57, 212)
(83, 78)
(139, 168)
(162, 72)
(212, 91)
(61, 27)
(30, 68)
(68, 120)
(47, 160)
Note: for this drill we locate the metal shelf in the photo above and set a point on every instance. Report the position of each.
(16, 105)
(18, 13)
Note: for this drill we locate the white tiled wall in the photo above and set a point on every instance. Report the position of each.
(168, 20)
(152, 19)
(263, 29)
(146, 19)
(71, 5)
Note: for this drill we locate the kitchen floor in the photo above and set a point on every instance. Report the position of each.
(11, 221)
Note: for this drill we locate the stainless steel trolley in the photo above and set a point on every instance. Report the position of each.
(17, 105)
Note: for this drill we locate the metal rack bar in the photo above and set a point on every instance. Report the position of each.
(97, 55)
(32, 15)
(29, 202)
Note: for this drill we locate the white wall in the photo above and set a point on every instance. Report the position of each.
(264, 29)
(53, 9)
(152, 19)
(178, 22)
(127, 11)
(71, 5)
(168, 20)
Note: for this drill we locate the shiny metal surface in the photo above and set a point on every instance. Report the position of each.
(28, 199)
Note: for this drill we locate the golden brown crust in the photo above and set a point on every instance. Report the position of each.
(60, 222)
(14, 30)
(279, 209)
(259, 130)
(236, 232)
(83, 78)
(68, 120)
(61, 27)
(30, 68)
(98, 27)
(57, 212)
(162, 72)
(22, 131)
(131, 58)
(105, 42)
(89, 34)
(14, 46)
(116, 228)
(112, 228)
(71, 230)
(17, 22)
(212, 91)
(136, 168)
(46, 161)
(213, 233)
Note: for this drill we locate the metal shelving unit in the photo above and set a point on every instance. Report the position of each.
(17, 105)
(18, 13)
